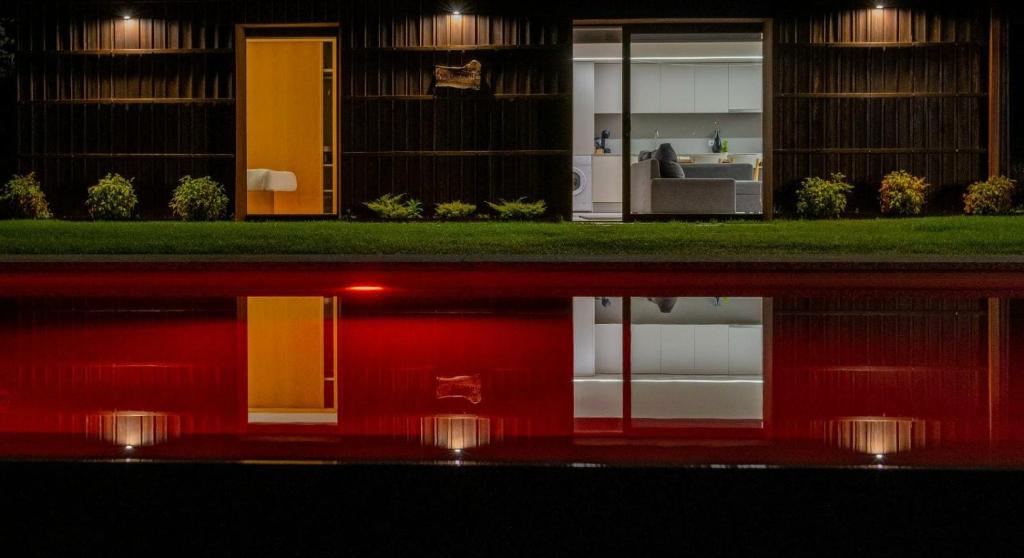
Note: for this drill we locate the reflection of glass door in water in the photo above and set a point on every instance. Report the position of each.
(668, 362)
(696, 361)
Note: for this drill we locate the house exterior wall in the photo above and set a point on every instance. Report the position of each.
(857, 90)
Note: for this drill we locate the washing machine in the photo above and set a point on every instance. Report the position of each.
(582, 184)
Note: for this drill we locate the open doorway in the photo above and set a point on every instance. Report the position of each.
(287, 136)
(679, 130)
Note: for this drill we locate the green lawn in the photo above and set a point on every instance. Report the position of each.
(930, 235)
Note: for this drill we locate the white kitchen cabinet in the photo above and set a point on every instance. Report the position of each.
(606, 172)
(711, 88)
(645, 88)
(608, 88)
(745, 350)
(677, 349)
(745, 87)
(608, 348)
(645, 349)
(583, 108)
(711, 349)
(677, 88)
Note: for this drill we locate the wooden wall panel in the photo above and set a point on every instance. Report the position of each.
(151, 98)
(861, 91)
(154, 97)
(867, 91)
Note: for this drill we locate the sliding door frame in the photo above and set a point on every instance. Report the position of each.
(243, 32)
(631, 27)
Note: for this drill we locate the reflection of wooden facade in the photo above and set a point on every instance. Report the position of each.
(857, 90)
(881, 373)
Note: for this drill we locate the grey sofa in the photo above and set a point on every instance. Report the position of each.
(708, 189)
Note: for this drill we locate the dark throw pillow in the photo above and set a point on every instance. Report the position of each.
(668, 162)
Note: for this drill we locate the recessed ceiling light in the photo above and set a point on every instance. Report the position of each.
(126, 17)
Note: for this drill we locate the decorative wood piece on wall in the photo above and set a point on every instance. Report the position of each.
(459, 77)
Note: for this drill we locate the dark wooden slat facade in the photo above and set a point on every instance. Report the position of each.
(860, 91)
(866, 91)
(153, 98)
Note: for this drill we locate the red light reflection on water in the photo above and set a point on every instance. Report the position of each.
(869, 380)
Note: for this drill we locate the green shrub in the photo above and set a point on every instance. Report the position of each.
(903, 193)
(519, 209)
(23, 198)
(391, 206)
(820, 198)
(199, 199)
(990, 197)
(112, 199)
(454, 210)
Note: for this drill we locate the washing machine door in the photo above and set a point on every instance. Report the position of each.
(581, 194)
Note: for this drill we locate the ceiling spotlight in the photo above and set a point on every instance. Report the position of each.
(879, 7)
(126, 17)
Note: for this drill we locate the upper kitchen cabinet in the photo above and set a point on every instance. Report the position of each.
(677, 82)
(677, 88)
(745, 87)
(711, 88)
(645, 88)
(607, 88)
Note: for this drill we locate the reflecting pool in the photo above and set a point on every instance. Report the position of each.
(393, 364)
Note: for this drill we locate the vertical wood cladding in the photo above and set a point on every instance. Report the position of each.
(153, 98)
(860, 91)
(868, 91)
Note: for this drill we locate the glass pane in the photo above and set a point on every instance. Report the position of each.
(597, 363)
(291, 126)
(696, 361)
(597, 123)
(695, 141)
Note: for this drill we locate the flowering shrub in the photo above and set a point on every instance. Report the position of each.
(820, 198)
(112, 199)
(902, 193)
(990, 197)
(199, 199)
(23, 198)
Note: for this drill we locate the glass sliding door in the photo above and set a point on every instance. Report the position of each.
(291, 126)
(692, 121)
(597, 123)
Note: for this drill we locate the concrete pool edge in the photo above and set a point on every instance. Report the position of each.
(809, 262)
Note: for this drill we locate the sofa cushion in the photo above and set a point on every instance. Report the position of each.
(748, 188)
(702, 196)
(736, 171)
(668, 162)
